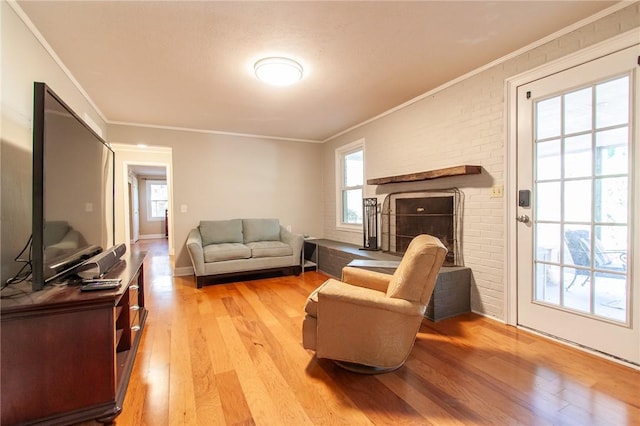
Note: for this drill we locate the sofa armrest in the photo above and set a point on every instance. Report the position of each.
(294, 240)
(194, 247)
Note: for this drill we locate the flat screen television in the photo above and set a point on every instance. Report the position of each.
(73, 190)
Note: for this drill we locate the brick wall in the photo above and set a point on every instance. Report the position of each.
(463, 123)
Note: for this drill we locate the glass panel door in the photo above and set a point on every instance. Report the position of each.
(577, 235)
(582, 190)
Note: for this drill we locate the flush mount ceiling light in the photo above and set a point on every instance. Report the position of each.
(278, 71)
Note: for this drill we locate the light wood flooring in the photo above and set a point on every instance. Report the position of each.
(231, 354)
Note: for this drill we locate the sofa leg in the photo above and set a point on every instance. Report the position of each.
(199, 281)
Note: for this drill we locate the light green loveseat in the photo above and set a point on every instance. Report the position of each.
(237, 246)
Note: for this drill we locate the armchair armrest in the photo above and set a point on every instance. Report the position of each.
(334, 291)
(366, 278)
(194, 247)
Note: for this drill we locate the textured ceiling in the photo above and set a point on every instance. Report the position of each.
(190, 64)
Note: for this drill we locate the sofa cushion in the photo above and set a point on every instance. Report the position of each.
(220, 231)
(226, 251)
(270, 249)
(260, 230)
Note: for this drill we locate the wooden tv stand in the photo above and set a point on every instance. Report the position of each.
(67, 355)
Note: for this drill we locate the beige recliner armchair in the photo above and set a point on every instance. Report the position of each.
(368, 321)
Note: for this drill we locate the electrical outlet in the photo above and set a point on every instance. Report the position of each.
(183, 208)
(497, 191)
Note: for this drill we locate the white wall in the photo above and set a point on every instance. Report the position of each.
(464, 123)
(24, 60)
(223, 177)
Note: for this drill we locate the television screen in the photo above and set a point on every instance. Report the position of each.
(73, 184)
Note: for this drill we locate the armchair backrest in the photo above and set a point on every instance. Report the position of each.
(415, 277)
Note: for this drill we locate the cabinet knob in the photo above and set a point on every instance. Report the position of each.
(134, 287)
(135, 308)
(135, 328)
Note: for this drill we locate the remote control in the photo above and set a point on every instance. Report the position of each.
(100, 285)
(100, 280)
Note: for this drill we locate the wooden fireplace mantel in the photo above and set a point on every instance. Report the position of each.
(431, 174)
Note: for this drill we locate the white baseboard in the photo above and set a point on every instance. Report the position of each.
(151, 236)
(183, 271)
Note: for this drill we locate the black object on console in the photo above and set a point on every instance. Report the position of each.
(100, 264)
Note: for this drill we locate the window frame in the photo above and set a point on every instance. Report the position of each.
(148, 201)
(340, 154)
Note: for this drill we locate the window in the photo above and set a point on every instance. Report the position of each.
(350, 180)
(156, 199)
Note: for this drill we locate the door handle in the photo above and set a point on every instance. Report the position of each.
(523, 218)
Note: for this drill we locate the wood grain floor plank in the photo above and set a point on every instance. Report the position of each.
(469, 393)
(234, 405)
(508, 374)
(264, 410)
(155, 377)
(292, 323)
(182, 406)
(378, 403)
(506, 369)
(431, 411)
(214, 295)
(220, 360)
(284, 350)
(290, 410)
(206, 394)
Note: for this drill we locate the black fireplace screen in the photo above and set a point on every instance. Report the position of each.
(406, 215)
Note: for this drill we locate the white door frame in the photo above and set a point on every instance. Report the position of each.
(134, 219)
(596, 51)
(133, 155)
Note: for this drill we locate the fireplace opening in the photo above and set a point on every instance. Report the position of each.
(405, 215)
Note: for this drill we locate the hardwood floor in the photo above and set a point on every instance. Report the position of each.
(232, 354)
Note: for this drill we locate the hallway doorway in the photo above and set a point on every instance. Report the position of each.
(151, 169)
(148, 202)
